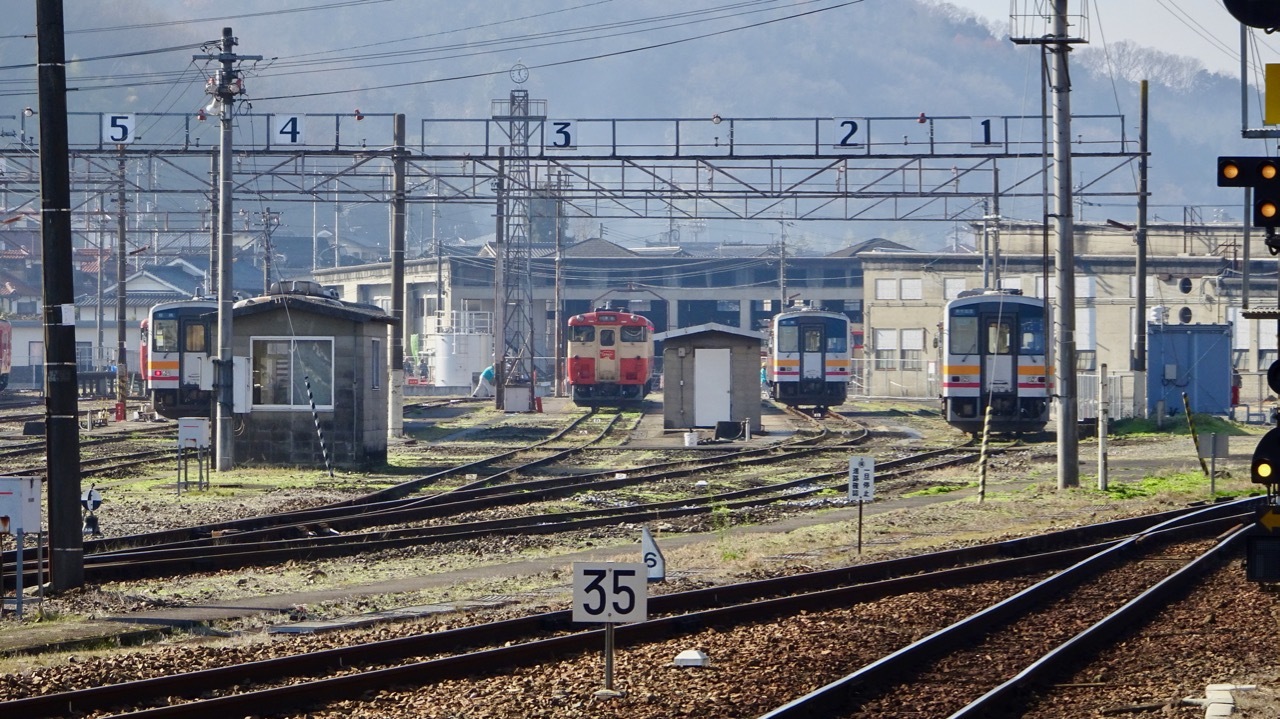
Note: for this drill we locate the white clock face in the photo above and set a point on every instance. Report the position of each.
(519, 74)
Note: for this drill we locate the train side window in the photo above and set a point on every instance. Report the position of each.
(632, 333)
(964, 335)
(165, 334)
(195, 338)
(998, 333)
(812, 339)
(584, 333)
(788, 338)
(606, 338)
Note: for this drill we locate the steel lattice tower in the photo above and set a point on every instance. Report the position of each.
(517, 327)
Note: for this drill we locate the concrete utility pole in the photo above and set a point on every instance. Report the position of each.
(1064, 258)
(1139, 364)
(228, 84)
(62, 431)
(270, 221)
(122, 269)
(395, 405)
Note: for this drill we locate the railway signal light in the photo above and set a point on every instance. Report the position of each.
(1255, 13)
(1263, 175)
(1265, 468)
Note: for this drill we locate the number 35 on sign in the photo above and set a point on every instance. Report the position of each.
(610, 592)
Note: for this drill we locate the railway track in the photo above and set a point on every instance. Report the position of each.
(1073, 557)
(331, 535)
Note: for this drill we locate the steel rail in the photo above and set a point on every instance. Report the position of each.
(835, 698)
(689, 611)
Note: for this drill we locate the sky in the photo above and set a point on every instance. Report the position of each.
(1200, 28)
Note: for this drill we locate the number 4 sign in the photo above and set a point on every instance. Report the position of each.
(287, 130)
(610, 592)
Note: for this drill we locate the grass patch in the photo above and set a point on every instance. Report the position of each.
(1176, 483)
(1177, 425)
(940, 489)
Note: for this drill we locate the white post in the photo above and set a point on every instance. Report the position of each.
(1104, 409)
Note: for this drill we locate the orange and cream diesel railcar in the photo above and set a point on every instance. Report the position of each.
(610, 358)
(996, 355)
(808, 362)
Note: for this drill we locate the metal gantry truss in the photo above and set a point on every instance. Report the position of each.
(911, 168)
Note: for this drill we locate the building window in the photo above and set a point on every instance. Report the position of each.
(913, 289)
(1238, 358)
(952, 287)
(886, 289)
(913, 349)
(376, 365)
(1011, 283)
(292, 372)
(1086, 360)
(1266, 357)
(886, 349)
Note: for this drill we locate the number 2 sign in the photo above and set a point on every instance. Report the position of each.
(610, 592)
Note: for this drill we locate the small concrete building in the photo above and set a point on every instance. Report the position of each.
(311, 353)
(710, 374)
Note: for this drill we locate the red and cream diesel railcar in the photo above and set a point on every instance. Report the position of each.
(609, 358)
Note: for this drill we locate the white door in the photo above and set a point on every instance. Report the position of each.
(710, 387)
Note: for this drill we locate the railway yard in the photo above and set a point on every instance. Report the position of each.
(441, 587)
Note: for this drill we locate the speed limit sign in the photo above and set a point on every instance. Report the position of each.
(610, 592)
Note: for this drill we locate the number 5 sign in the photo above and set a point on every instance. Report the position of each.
(117, 129)
(609, 592)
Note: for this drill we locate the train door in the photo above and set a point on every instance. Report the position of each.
(999, 366)
(195, 368)
(607, 359)
(812, 361)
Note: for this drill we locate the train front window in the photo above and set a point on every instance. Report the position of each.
(195, 338)
(165, 335)
(633, 333)
(837, 336)
(788, 338)
(812, 339)
(998, 334)
(584, 333)
(1032, 332)
(606, 338)
(964, 335)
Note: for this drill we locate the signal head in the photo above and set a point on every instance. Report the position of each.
(1265, 468)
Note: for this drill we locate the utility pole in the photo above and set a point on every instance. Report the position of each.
(99, 352)
(558, 379)
(1064, 260)
(227, 85)
(782, 266)
(395, 405)
(122, 268)
(62, 430)
(270, 221)
(1139, 364)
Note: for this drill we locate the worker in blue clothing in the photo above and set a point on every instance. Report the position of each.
(484, 386)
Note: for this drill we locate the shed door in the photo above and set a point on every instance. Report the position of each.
(710, 387)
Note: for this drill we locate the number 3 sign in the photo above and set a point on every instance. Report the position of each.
(609, 592)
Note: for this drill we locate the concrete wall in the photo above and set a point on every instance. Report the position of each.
(744, 381)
